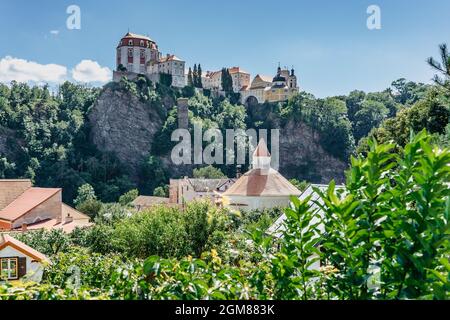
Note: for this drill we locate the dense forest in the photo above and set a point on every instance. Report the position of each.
(46, 136)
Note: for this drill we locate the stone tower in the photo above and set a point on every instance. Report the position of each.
(183, 113)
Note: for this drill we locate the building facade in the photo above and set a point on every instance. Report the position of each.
(212, 80)
(266, 89)
(138, 54)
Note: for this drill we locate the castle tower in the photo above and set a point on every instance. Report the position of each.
(134, 52)
(292, 79)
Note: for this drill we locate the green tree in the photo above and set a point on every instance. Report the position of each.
(199, 77)
(162, 192)
(190, 79)
(227, 81)
(128, 197)
(443, 67)
(208, 172)
(85, 192)
(369, 116)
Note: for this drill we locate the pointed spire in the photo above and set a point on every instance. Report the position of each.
(261, 150)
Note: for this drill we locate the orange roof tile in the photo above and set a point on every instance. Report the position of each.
(27, 201)
(7, 240)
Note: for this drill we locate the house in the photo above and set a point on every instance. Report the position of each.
(19, 261)
(260, 188)
(24, 207)
(144, 202)
(185, 190)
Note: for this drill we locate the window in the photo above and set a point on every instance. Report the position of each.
(130, 52)
(9, 268)
(130, 42)
(142, 43)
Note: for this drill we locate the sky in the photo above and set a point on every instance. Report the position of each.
(327, 41)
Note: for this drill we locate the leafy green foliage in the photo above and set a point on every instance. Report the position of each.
(128, 197)
(208, 172)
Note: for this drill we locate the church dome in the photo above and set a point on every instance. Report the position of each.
(279, 78)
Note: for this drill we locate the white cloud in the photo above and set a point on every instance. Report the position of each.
(54, 32)
(91, 71)
(22, 70)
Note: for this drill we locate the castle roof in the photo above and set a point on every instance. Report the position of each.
(236, 70)
(262, 183)
(130, 35)
(171, 57)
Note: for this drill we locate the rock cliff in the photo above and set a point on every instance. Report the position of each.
(302, 156)
(124, 125)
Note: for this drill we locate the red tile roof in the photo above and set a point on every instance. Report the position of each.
(7, 240)
(259, 182)
(27, 201)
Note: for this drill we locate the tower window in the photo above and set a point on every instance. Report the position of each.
(142, 43)
(130, 42)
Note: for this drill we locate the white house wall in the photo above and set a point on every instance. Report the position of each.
(34, 269)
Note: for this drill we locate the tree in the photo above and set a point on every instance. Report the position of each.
(408, 92)
(195, 76)
(121, 68)
(162, 192)
(443, 67)
(166, 79)
(199, 77)
(370, 115)
(85, 192)
(227, 81)
(208, 172)
(128, 197)
(190, 81)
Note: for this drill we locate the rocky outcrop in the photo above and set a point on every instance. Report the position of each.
(302, 157)
(124, 125)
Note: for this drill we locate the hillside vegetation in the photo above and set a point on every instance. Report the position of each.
(118, 138)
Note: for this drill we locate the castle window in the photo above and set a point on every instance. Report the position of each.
(142, 43)
(142, 56)
(130, 55)
(130, 42)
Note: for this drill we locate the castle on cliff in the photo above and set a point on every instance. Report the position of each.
(137, 54)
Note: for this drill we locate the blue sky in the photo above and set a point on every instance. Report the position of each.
(327, 41)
